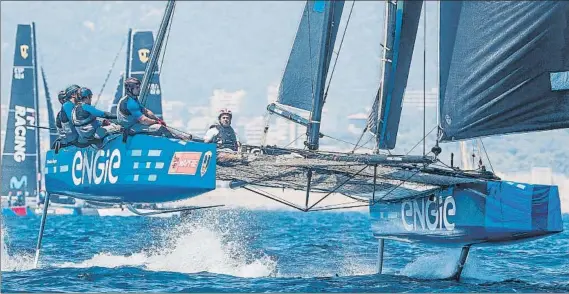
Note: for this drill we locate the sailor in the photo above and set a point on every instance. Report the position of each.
(85, 118)
(222, 132)
(137, 118)
(67, 98)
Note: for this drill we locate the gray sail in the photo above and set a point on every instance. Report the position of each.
(307, 67)
(402, 24)
(19, 160)
(504, 67)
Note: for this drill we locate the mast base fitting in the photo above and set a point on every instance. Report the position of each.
(436, 150)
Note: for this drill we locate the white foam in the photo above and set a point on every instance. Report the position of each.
(207, 245)
(16, 261)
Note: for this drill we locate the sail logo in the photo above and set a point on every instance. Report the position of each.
(19, 73)
(428, 213)
(184, 163)
(20, 184)
(95, 167)
(144, 55)
(24, 116)
(24, 51)
(205, 163)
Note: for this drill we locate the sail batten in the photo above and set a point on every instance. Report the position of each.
(20, 154)
(502, 67)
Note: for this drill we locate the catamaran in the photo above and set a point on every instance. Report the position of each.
(502, 69)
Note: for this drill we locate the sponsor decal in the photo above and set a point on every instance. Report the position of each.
(95, 167)
(424, 213)
(144, 55)
(24, 116)
(24, 51)
(184, 163)
(19, 184)
(52, 161)
(205, 163)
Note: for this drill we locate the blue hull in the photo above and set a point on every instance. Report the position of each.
(145, 169)
(484, 212)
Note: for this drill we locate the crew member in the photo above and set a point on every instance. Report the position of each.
(85, 118)
(137, 118)
(222, 132)
(67, 98)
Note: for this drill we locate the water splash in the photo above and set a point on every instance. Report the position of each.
(15, 262)
(209, 243)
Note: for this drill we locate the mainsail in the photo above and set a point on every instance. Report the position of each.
(402, 21)
(19, 160)
(504, 67)
(304, 79)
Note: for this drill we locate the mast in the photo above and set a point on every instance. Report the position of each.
(153, 61)
(36, 105)
(128, 50)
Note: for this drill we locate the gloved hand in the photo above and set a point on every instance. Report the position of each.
(106, 122)
(161, 122)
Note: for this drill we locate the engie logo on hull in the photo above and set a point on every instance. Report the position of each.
(424, 213)
(95, 167)
(184, 163)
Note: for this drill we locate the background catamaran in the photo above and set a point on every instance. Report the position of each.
(487, 80)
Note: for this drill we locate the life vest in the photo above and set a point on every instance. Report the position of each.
(225, 137)
(68, 131)
(85, 123)
(124, 116)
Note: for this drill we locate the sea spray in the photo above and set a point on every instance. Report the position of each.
(16, 261)
(208, 241)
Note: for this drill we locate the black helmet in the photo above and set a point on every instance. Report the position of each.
(84, 93)
(61, 96)
(130, 84)
(69, 91)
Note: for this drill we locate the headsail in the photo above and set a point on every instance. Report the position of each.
(51, 117)
(307, 67)
(19, 166)
(402, 21)
(504, 67)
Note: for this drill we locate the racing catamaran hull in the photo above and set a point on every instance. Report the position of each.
(145, 169)
(471, 213)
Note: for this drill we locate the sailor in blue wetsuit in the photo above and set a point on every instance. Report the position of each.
(67, 133)
(138, 119)
(86, 119)
(222, 132)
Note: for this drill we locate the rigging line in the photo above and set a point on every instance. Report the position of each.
(421, 140)
(338, 53)
(424, 77)
(338, 187)
(488, 157)
(298, 137)
(335, 208)
(358, 142)
(344, 141)
(272, 197)
(357, 147)
(394, 188)
(339, 204)
(109, 73)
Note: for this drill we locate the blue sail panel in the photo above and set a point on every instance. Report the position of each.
(305, 73)
(501, 67)
(118, 95)
(19, 167)
(142, 42)
(407, 18)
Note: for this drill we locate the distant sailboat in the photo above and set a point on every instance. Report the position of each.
(20, 158)
(139, 48)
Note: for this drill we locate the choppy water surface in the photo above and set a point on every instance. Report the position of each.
(256, 251)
